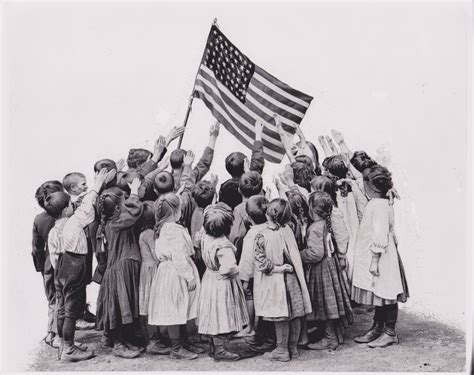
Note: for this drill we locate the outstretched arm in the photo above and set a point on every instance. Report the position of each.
(204, 164)
(285, 138)
(257, 162)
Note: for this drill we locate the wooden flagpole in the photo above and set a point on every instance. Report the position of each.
(190, 104)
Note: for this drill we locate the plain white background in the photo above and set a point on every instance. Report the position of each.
(84, 81)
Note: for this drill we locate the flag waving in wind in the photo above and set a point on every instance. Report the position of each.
(238, 93)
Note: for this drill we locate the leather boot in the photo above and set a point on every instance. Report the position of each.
(329, 341)
(221, 353)
(372, 334)
(212, 348)
(387, 338)
(140, 349)
(281, 352)
(156, 347)
(295, 331)
(179, 352)
(70, 353)
(121, 350)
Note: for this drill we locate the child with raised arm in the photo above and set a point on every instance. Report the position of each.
(202, 166)
(175, 286)
(222, 309)
(236, 165)
(118, 300)
(68, 250)
(42, 225)
(280, 291)
(379, 277)
(328, 290)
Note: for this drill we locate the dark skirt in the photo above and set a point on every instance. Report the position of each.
(328, 291)
(118, 300)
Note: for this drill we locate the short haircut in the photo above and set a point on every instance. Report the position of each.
(218, 220)
(137, 156)
(71, 179)
(250, 184)
(45, 189)
(361, 161)
(234, 163)
(164, 182)
(279, 211)
(203, 193)
(56, 202)
(176, 158)
(256, 208)
(229, 193)
(336, 166)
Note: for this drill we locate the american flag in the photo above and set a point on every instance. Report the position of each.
(238, 93)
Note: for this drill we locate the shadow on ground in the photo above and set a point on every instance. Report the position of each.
(424, 346)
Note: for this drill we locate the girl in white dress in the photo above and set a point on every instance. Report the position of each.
(222, 307)
(175, 286)
(379, 276)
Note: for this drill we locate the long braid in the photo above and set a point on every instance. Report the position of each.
(101, 229)
(158, 219)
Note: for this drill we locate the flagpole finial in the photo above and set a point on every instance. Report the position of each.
(214, 23)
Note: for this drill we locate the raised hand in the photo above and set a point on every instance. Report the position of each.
(120, 164)
(246, 165)
(324, 145)
(289, 175)
(331, 144)
(174, 133)
(214, 130)
(99, 179)
(258, 130)
(337, 136)
(268, 193)
(188, 158)
(134, 185)
(214, 179)
(160, 145)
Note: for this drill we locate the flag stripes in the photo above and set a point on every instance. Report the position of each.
(239, 93)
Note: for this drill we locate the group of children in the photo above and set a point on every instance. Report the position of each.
(174, 257)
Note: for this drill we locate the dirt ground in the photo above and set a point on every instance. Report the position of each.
(424, 346)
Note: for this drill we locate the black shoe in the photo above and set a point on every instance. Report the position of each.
(88, 316)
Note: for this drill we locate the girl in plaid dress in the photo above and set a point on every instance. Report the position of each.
(280, 291)
(327, 288)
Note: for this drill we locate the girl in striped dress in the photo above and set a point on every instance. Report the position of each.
(222, 307)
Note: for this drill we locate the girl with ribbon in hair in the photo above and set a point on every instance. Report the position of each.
(118, 300)
(175, 287)
(327, 286)
(379, 276)
(280, 292)
(222, 307)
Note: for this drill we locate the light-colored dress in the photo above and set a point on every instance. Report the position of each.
(348, 209)
(270, 290)
(247, 260)
(376, 236)
(170, 301)
(222, 307)
(148, 268)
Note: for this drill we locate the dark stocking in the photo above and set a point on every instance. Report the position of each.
(69, 328)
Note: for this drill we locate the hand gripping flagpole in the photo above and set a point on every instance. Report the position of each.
(190, 104)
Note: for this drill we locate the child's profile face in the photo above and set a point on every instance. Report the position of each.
(80, 186)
